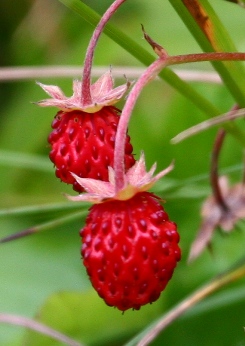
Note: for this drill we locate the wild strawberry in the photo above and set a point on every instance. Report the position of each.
(130, 247)
(130, 250)
(83, 143)
(83, 136)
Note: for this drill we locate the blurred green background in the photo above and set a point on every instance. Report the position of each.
(42, 275)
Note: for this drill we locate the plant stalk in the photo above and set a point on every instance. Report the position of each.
(149, 74)
(190, 301)
(86, 80)
(199, 57)
(214, 177)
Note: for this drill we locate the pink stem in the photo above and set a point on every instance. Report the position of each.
(213, 56)
(86, 80)
(149, 74)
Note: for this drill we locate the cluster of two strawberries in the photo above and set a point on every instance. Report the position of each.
(129, 245)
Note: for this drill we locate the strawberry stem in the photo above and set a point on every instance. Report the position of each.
(149, 74)
(213, 56)
(86, 80)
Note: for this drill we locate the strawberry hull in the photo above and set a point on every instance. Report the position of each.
(130, 249)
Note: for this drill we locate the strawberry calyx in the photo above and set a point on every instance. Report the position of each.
(102, 94)
(136, 180)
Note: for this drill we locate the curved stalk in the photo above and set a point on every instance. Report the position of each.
(149, 74)
(214, 177)
(86, 80)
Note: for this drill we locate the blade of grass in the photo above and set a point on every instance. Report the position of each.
(206, 27)
(44, 226)
(42, 208)
(142, 55)
(205, 125)
(27, 161)
(152, 331)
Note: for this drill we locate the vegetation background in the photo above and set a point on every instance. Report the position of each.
(42, 275)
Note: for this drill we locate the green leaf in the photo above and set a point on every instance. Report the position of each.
(86, 318)
(206, 27)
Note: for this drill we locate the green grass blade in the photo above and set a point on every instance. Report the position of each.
(43, 208)
(44, 226)
(27, 161)
(206, 27)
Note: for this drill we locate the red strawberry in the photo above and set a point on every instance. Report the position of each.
(130, 249)
(83, 134)
(83, 143)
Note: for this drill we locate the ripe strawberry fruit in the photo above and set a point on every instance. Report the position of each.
(130, 249)
(83, 143)
(83, 135)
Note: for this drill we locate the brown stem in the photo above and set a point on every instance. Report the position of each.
(214, 177)
(243, 174)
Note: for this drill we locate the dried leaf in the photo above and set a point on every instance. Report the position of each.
(215, 215)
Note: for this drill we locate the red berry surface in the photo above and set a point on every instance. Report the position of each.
(130, 249)
(83, 143)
